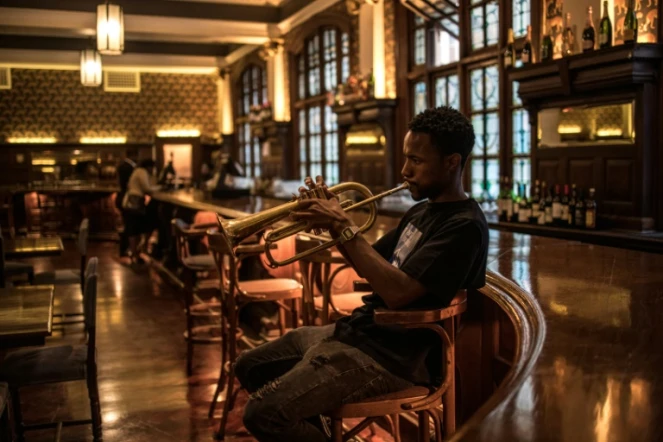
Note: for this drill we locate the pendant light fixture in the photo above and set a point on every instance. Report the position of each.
(110, 29)
(90, 67)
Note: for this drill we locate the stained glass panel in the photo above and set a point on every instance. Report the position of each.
(477, 178)
(492, 24)
(478, 29)
(521, 17)
(420, 46)
(452, 92)
(522, 173)
(447, 46)
(521, 132)
(446, 91)
(492, 134)
(493, 178)
(476, 78)
(479, 139)
(492, 87)
(485, 25)
(516, 98)
(419, 97)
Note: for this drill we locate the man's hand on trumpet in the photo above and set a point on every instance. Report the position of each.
(322, 211)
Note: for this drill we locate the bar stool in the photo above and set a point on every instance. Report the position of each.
(319, 271)
(423, 401)
(196, 309)
(235, 295)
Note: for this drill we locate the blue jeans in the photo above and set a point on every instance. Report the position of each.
(304, 374)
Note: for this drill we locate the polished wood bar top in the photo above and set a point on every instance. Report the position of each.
(25, 315)
(62, 188)
(25, 247)
(590, 325)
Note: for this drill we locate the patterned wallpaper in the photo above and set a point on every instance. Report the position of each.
(647, 13)
(53, 103)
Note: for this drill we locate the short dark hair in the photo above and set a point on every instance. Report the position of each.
(450, 131)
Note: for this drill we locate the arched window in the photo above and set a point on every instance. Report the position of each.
(454, 65)
(251, 91)
(321, 65)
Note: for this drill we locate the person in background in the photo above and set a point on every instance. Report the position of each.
(124, 171)
(139, 226)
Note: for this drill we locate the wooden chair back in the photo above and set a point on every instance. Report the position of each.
(178, 227)
(81, 243)
(90, 306)
(227, 267)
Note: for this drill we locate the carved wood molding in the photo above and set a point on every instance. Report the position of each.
(294, 40)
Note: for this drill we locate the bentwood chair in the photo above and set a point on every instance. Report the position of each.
(48, 365)
(235, 295)
(319, 273)
(71, 275)
(10, 269)
(421, 400)
(202, 315)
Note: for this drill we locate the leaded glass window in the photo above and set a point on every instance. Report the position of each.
(521, 142)
(420, 97)
(323, 64)
(484, 87)
(520, 18)
(419, 40)
(252, 92)
(446, 91)
(484, 17)
(447, 44)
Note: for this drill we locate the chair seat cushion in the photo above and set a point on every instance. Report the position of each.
(344, 302)
(271, 289)
(62, 276)
(199, 262)
(34, 366)
(13, 268)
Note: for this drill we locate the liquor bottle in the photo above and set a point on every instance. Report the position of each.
(589, 33)
(523, 214)
(590, 211)
(507, 203)
(549, 206)
(556, 207)
(580, 211)
(571, 220)
(567, 37)
(563, 220)
(536, 197)
(516, 204)
(542, 205)
(547, 47)
(510, 53)
(526, 54)
(630, 24)
(605, 29)
(528, 206)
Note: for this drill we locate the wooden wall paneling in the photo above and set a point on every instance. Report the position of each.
(619, 182)
(581, 172)
(649, 144)
(548, 170)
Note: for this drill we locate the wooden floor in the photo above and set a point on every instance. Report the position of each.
(145, 393)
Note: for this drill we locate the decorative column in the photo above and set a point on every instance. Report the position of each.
(226, 122)
(378, 48)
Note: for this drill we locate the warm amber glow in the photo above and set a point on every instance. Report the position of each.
(102, 140)
(378, 49)
(569, 129)
(361, 139)
(73, 162)
(279, 85)
(110, 29)
(178, 133)
(48, 169)
(43, 162)
(32, 140)
(609, 132)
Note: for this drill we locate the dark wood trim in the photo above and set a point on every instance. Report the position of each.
(180, 9)
(294, 40)
(130, 46)
(403, 114)
(238, 68)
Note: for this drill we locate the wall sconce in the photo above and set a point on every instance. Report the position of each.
(90, 67)
(110, 29)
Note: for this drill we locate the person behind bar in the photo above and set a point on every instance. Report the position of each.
(139, 225)
(439, 247)
(124, 171)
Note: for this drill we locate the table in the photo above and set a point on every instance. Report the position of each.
(25, 315)
(29, 247)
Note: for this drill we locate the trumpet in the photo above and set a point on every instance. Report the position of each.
(236, 230)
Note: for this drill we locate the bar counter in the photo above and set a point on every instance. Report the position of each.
(588, 363)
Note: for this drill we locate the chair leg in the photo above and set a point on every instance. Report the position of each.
(18, 416)
(337, 429)
(435, 414)
(424, 433)
(222, 371)
(95, 408)
(395, 424)
(189, 335)
(449, 398)
(221, 433)
(281, 320)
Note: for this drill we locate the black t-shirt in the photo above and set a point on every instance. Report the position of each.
(442, 245)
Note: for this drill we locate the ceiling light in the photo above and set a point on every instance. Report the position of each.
(110, 29)
(90, 68)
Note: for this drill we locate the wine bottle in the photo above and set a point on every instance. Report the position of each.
(571, 220)
(526, 54)
(564, 219)
(589, 34)
(500, 198)
(547, 47)
(510, 53)
(516, 204)
(523, 211)
(567, 37)
(507, 203)
(542, 205)
(556, 207)
(580, 211)
(630, 24)
(536, 197)
(548, 210)
(590, 211)
(605, 28)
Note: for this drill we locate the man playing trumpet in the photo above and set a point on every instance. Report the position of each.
(439, 247)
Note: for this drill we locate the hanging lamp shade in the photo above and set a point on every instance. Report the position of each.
(90, 67)
(110, 29)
